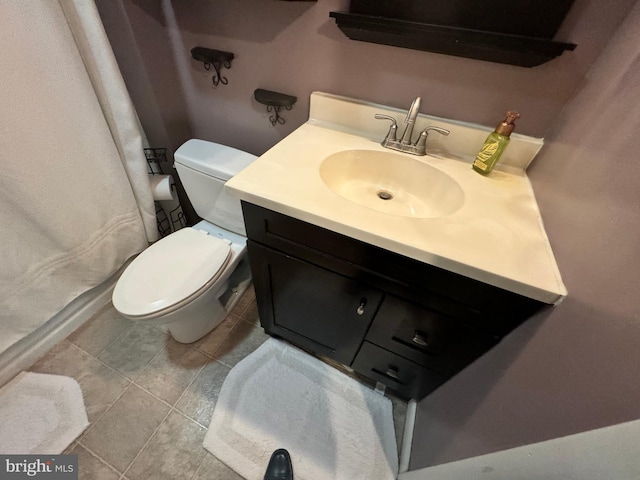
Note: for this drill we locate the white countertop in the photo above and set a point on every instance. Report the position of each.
(497, 236)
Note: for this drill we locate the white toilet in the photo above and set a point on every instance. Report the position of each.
(191, 279)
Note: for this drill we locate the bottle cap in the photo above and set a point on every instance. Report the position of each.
(506, 126)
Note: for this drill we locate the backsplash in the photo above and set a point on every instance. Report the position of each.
(463, 143)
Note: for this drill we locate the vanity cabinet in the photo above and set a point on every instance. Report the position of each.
(395, 320)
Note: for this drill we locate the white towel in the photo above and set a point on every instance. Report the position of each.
(280, 397)
(40, 414)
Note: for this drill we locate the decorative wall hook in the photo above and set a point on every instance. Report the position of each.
(213, 58)
(274, 102)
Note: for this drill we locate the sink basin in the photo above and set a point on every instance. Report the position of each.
(391, 183)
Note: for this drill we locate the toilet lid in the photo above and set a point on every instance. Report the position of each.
(169, 271)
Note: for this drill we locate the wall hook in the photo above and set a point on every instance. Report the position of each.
(275, 102)
(216, 59)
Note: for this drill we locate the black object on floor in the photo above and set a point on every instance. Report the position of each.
(279, 467)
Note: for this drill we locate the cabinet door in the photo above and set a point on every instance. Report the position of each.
(313, 308)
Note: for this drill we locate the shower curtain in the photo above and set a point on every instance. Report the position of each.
(75, 202)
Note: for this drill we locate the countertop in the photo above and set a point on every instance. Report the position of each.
(496, 237)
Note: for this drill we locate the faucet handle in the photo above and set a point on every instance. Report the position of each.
(443, 131)
(391, 134)
(421, 144)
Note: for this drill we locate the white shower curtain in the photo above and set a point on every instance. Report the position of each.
(74, 197)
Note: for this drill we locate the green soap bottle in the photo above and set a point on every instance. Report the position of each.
(495, 144)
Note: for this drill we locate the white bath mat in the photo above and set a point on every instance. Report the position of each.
(280, 397)
(40, 414)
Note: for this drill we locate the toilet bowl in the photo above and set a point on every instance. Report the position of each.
(191, 279)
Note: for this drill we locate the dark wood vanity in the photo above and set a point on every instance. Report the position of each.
(395, 320)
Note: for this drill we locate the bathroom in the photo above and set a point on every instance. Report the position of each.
(567, 370)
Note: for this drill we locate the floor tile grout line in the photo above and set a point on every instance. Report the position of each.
(134, 382)
(192, 419)
(171, 409)
(217, 358)
(93, 424)
(189, 385)
(116, 339)
(175, 405)
(149, 392)
(147, 442)
(100, 361)
(158, 352)
(211, 356)
(144, 369)
(177, 412)
(100, 458)
(251, 323)
(113, 369)
(214, 357)
(131, 325)
(181, 413)
(83, 434)
(199, 466)
(207, 354)
(246, 309)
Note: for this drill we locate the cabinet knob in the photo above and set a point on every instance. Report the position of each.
(360, 309)
(419, 339)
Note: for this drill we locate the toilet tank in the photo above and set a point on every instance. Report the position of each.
(203, 168)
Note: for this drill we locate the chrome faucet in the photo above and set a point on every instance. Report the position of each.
(404, 144)
(410, 121)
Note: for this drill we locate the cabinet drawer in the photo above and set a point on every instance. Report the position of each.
(408, 379)
(434, 341)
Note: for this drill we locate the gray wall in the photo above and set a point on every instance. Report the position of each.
(574, 368)
(609, 453)
(295, 48)
(565, 371)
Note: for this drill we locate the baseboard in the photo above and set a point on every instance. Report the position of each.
(24, 353)
(407, 437)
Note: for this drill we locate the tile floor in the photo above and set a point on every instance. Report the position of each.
(149, 398)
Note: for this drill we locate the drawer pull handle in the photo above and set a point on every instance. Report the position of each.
(393, 373)
(360, 309)
(419, 339)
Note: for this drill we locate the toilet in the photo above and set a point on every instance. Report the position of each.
(191, 279)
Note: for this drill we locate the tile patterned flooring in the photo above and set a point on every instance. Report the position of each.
(149, 398)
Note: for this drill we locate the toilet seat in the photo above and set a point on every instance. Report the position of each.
(175, 269)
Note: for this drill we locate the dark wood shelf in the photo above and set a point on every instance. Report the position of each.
(489, 46)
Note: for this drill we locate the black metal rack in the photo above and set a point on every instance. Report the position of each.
(176, 218)
(216, 59)
(155, 156)
(275, 102)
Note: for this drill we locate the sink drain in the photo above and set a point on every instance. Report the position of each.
(384, 195)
